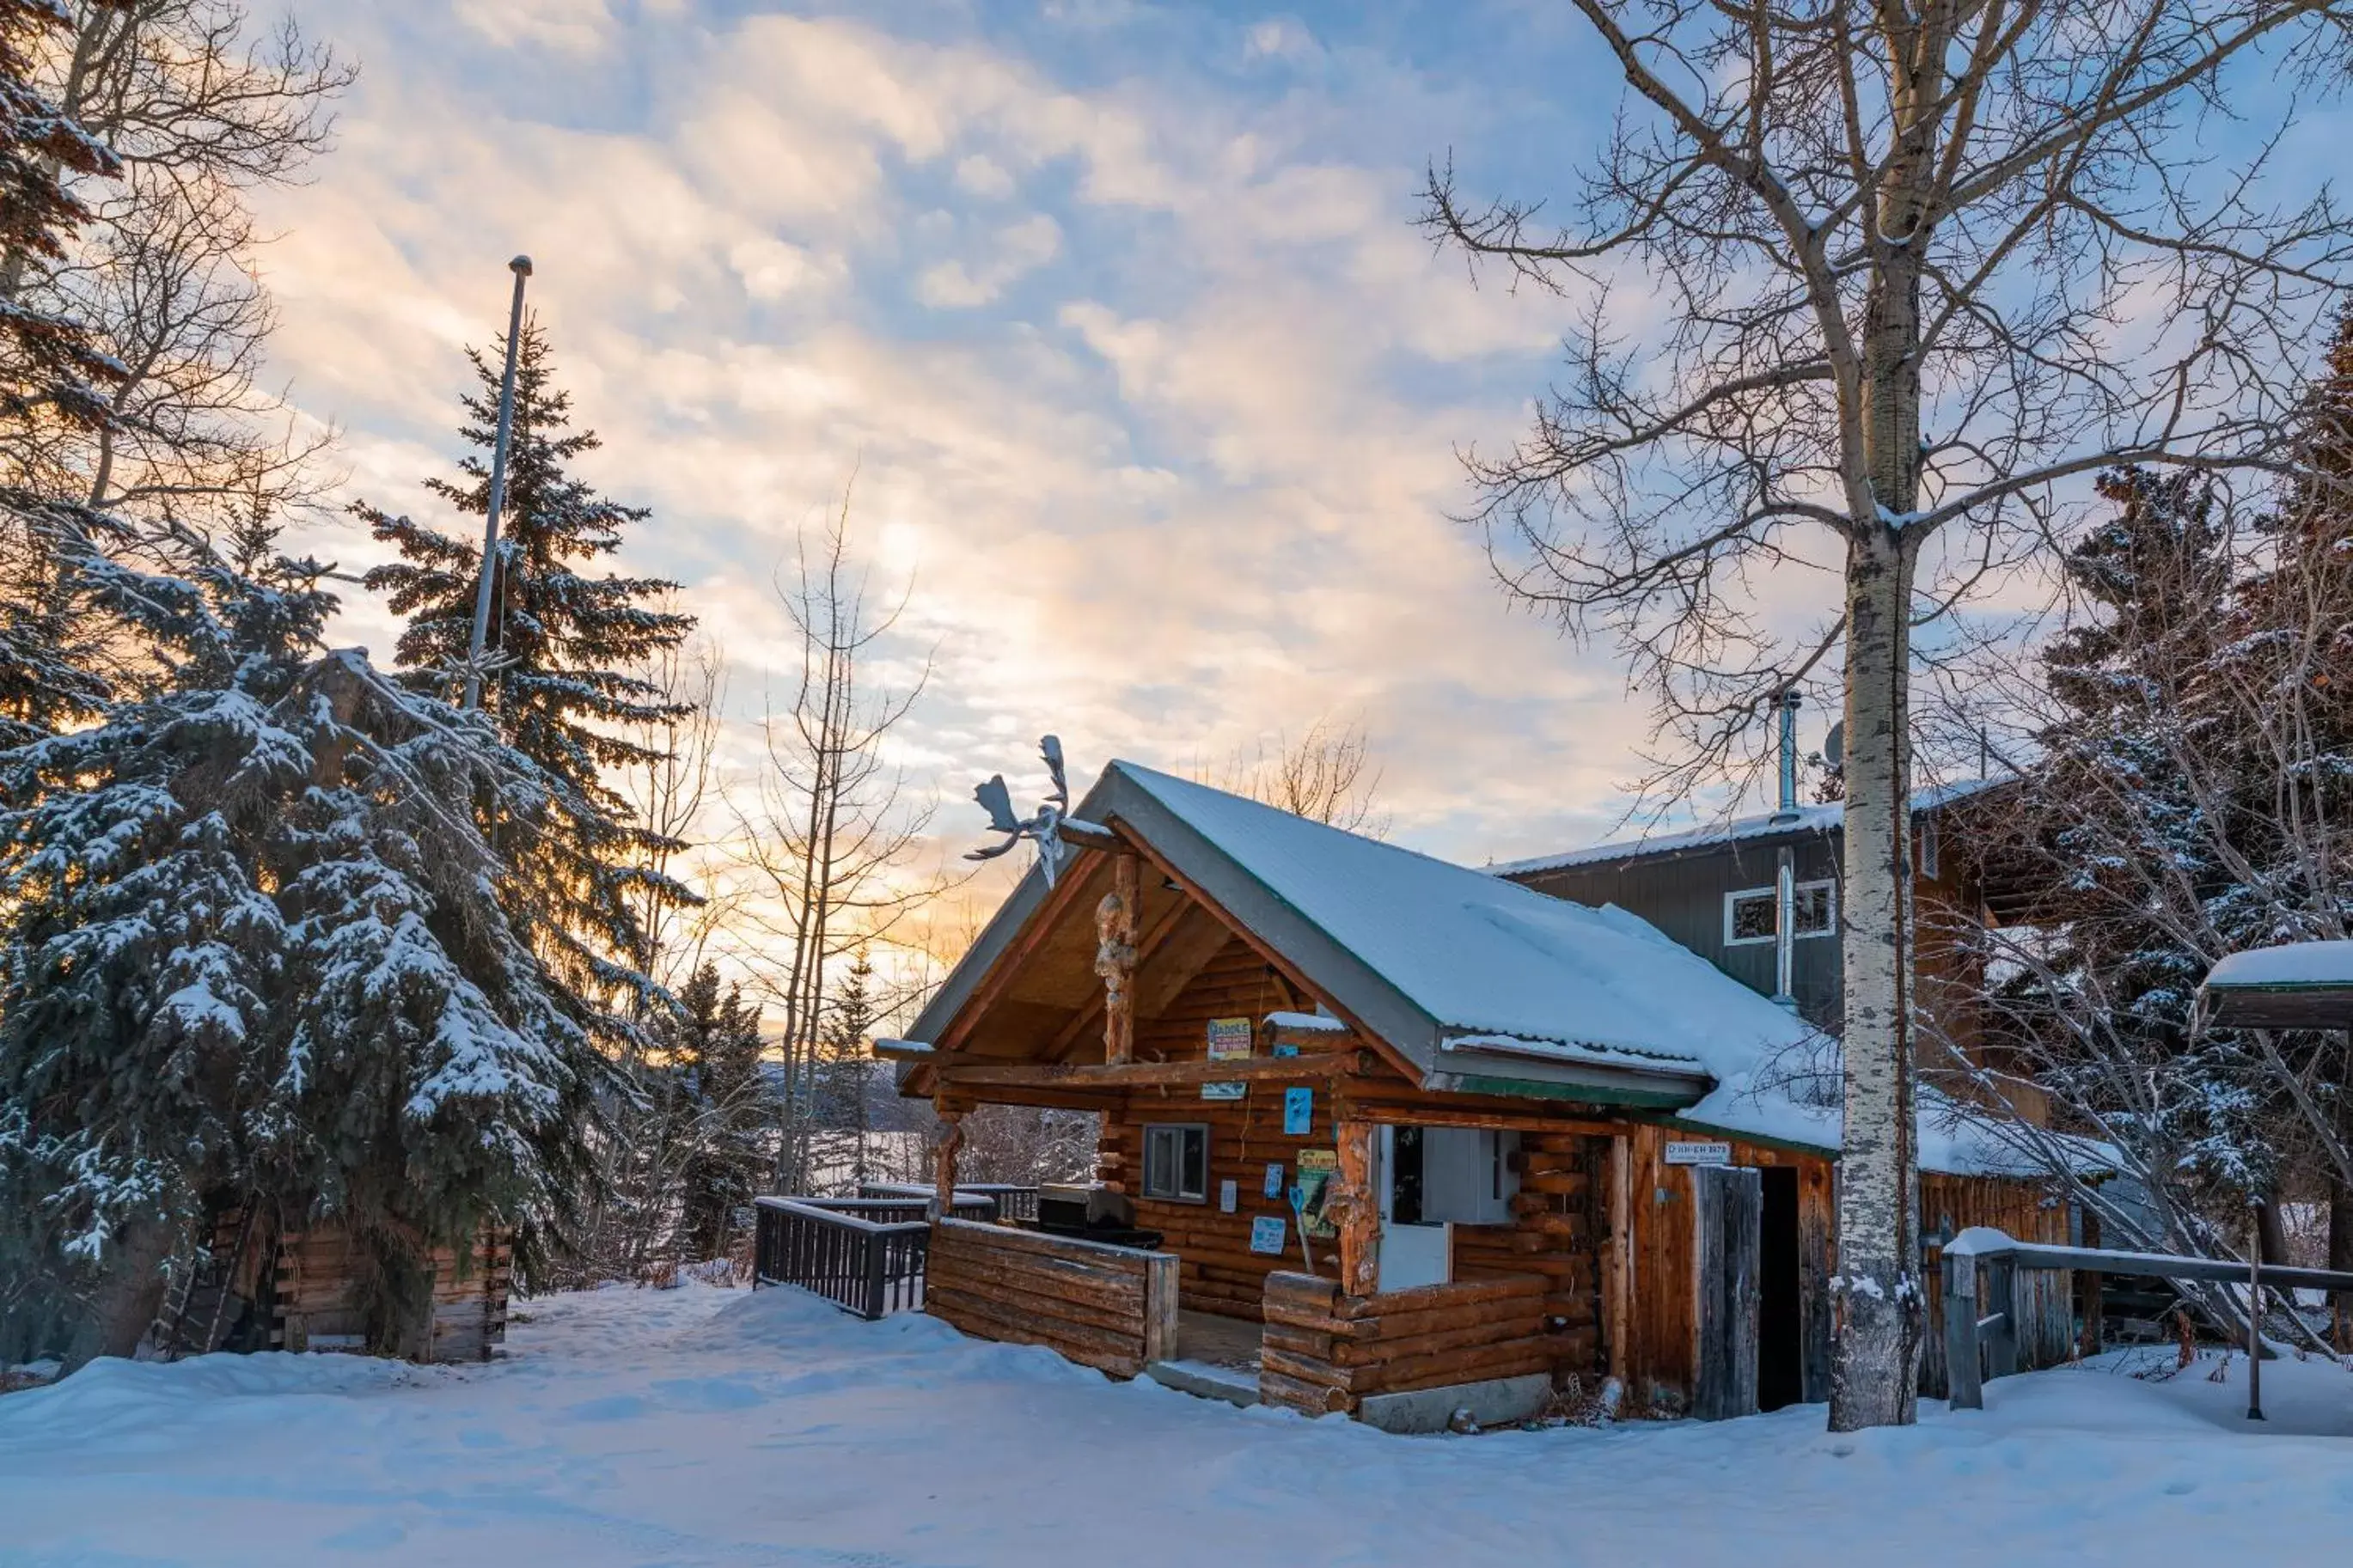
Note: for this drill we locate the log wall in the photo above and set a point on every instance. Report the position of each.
(1216, 1271)
(1111, 1308)
(1560, 1216)
(316, 1304)
(1324, 1351)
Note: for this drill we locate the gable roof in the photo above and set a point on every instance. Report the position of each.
(1474, 981)
(1476, 984)
(1822, 820)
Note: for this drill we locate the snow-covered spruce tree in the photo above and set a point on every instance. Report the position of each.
(569, 645)
(843, 1078)
(717, 1083)
(51, 375)
(251, 952)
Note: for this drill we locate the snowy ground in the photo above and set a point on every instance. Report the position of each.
(705, 1425)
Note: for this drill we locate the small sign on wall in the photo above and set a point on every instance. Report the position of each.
(1274, 1178)
(1228, 1196)
(1230, 1039)
(1699, 1153)
(1266, 1234)
(1298, 1112)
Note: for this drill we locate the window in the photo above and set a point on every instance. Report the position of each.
(1749, 915)
(1177, 1162)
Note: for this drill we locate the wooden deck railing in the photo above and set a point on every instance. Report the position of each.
(1982, 1344)
(864, 1255)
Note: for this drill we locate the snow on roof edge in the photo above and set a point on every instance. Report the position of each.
(1818, 818)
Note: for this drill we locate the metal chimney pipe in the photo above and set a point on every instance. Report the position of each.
(520, 268)
(1785, 880)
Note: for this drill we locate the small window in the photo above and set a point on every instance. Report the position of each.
(1749, 915)
(1177, 1162)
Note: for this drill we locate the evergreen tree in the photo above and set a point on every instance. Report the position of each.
(715, 1080)
(844, 1071)
(50, 371)
(249, 954)
(565, 645)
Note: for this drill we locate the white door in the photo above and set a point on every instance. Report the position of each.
(1411, 1255)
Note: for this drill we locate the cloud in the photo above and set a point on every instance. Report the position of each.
(1168, 452)
(1015, 251)
(572, 27)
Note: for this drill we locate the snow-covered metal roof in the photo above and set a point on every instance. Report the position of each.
(1481, 985)
(1805, 820)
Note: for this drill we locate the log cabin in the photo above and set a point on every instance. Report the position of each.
(1392, 1137)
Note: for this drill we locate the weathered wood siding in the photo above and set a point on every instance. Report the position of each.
(1326, 1352)
(2043, 1307)
(1112, 1308)
(1660, 1358)
(316, 1305)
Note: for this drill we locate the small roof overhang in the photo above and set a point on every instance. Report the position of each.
(2295, 985)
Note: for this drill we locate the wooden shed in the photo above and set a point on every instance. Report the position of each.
(1399, 1138)
(256, 1285)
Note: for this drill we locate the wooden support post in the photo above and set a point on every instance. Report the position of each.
(945, 1177)
(1116, 921)
(1965, 1382)
(2255, 1315)
(1356, 1209)
(1617, 1261)
(2091, 1284)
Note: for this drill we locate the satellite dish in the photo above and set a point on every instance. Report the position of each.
(1835, 745)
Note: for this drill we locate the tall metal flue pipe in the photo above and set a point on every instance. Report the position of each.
(520, 268)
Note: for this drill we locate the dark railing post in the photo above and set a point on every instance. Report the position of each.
(2256, 1313)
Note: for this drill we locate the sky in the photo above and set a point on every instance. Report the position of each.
(1116, 312)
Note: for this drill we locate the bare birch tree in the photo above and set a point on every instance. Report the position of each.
(672, 788)
(1329, 774)
(1911, 268)
(203, 108)
(826, 833)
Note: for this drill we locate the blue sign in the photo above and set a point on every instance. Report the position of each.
(1274, 1178)
(1298, 1112)
(1266, 1234)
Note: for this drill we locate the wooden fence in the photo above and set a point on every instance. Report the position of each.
(1326, 1352)
(1982, 1345)
(1112, 1308)
(1013, 1200)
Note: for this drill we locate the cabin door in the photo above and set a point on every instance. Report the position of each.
(1412, 1251)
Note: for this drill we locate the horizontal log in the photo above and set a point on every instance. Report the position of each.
(1301, 1369)
(979, 1072)
(1430, 1297)
(1556, 1184)
(1297, 1394)
(1308, 1345)
(1407, 1347)
(1014, 1296)
(1076, 1342)
(1301, 1290)
(957, 1233)
(1516, 1360)
(1524, 1311)
(1121, 1298)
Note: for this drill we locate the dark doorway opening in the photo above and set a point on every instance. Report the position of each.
(1780, 1330)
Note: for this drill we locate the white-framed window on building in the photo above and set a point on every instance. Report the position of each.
(1177, 1162)
(1750, 914)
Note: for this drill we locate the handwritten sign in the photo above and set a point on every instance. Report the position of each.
(1274, 1178)
(1230, 1039)
(1699, 1153)
(1298, 1112)
(1228, 1196)
(1266, 1233)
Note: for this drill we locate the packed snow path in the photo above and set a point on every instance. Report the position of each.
(713, 1426)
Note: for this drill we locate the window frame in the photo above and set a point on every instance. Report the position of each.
(1175, 1194)
(1772, 894)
